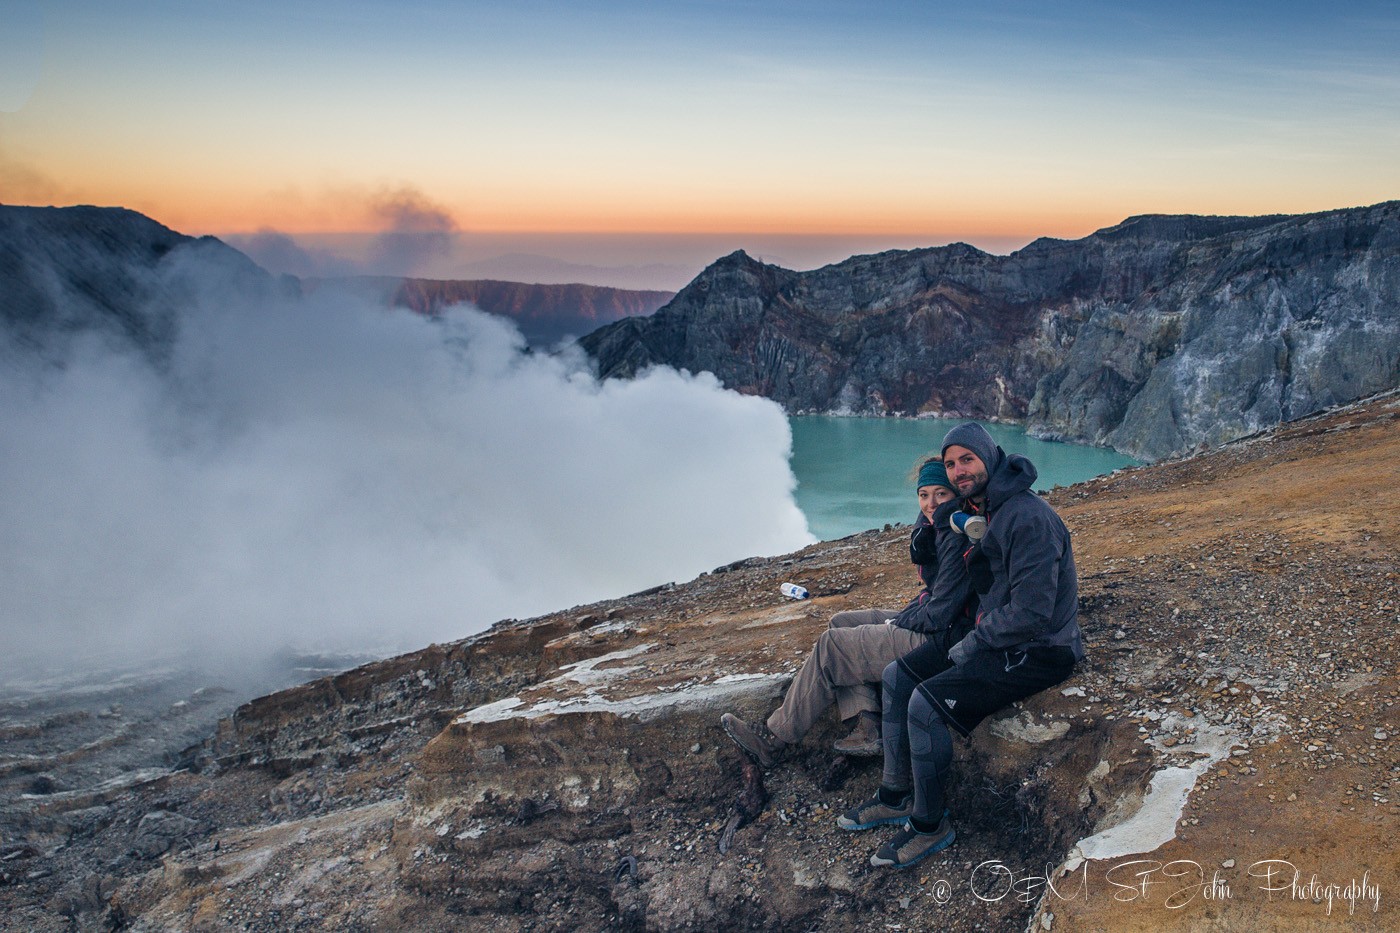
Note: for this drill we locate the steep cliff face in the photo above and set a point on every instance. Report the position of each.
(1155, 336)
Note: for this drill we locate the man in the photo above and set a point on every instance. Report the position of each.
(850, 656)
(1026, 638)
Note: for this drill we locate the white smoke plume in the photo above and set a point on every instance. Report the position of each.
(323, 474)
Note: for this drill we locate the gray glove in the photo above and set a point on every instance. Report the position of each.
(963, 651)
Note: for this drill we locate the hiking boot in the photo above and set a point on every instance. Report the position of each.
(909, 847)
(763, 746)
(875, 812)
(864, 740)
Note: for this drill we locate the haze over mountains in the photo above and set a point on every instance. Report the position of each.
(1154, 337)
(107, 246)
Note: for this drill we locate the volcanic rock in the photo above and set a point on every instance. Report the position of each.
(1158, 336)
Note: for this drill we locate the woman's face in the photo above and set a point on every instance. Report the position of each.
(931, 497)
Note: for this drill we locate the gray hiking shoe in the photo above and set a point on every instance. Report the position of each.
(864, 740)
(909, 847)
(765, 747)
(875, 812)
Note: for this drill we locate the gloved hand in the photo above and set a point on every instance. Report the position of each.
(963, 651)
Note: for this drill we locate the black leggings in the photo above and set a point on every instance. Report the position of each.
(931, 748)
(900, 679)
(935, 696)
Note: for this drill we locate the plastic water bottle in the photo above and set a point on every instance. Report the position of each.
(793, 591)
(974, 526)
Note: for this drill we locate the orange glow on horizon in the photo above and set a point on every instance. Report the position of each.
(241, 216)
(194, 209)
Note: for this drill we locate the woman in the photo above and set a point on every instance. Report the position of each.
(851, 655)
(894, 800)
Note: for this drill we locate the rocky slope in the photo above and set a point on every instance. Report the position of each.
(1222, 761)
(1155, 337)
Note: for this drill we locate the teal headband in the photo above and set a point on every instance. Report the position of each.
(933, 474)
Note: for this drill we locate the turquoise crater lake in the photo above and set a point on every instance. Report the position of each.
(854, 474)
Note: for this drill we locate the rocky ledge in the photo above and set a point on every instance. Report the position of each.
(1222, 760)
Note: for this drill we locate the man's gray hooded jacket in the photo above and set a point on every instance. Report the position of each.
(1034, 598)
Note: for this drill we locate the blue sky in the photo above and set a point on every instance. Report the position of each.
(922, 120)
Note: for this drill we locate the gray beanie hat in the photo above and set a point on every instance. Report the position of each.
(975, 438)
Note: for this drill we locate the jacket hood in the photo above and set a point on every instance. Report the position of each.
(1016, 474)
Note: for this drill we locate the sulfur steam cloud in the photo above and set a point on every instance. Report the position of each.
(323, 474)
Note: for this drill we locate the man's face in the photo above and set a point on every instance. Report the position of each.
(965, 470)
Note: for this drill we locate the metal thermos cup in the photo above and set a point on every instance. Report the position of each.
(974, 526)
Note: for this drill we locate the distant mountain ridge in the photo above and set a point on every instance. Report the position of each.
(544, 313)
(1155, 336)
(80, 268)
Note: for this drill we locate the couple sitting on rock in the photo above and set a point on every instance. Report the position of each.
(995, 622)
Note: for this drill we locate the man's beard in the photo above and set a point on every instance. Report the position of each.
(978, 487)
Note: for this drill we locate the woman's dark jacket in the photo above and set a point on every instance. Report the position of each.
(937, 550)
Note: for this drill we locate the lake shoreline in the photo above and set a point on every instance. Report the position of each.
(854, 472)
(1051, 436)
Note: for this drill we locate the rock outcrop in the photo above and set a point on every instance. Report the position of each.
(1222, 760)
(1155, 337)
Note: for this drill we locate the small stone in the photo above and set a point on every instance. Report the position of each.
(695, 749)
(1228, 863)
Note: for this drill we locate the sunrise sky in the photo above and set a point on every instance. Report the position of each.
(910, 123)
